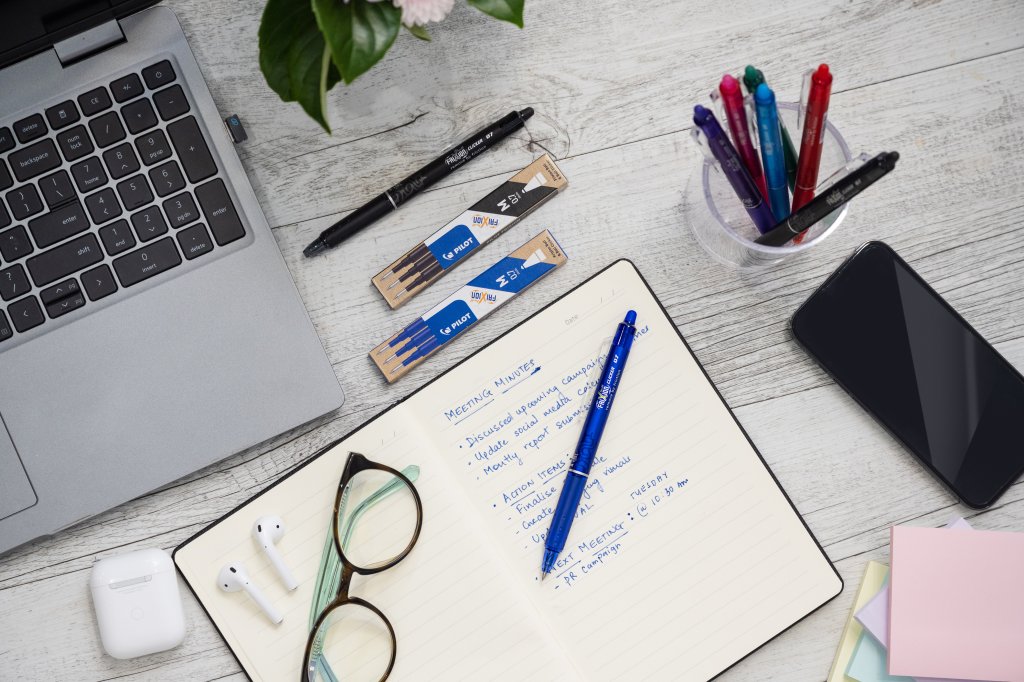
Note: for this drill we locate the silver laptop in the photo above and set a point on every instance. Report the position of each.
(148, 324)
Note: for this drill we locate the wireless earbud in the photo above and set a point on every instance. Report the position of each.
(233, 578)
(267, 530)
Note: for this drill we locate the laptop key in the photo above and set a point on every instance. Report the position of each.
(5, 217)
(24, 201)
(57, 188)
(62, 115)
(60, 290)
(171, 102)
(89, 174)
(15, 244)
(153, 147)
(65, 305)
(126, 88)
(13, 282)
(30, 128)
(6, 139)
(74, 143)
(26, 314)
(117, 237)
(195, 241)
(94, 101)
(220, 212)
(107, 129)
(192, 150)
(65, 260)
(159, 74)
(5, 176)
(103, 206)
(121, 160)
(59, 224)
(167, 178)
(146, 262)
(134, 192)
(138, 116)
(99, 282)
(149, 224)
(28, 162)
(5, 327)
(181, 210)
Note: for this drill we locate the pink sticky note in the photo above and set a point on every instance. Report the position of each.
(874, 616)
(956, 604)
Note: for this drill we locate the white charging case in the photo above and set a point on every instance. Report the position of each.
(138, 606)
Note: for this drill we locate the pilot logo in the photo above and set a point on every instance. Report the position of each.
(454, 326)
(454, 253)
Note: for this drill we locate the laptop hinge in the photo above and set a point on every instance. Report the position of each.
(88, 43)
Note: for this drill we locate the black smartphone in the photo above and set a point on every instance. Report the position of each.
(926, 375)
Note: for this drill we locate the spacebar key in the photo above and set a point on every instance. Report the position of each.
(142, 264)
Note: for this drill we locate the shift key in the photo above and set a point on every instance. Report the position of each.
(146, 262)
(64, 260)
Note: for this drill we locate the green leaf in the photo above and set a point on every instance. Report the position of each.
(358, 32)
(419, 31)
(506, 10)
(294, 58)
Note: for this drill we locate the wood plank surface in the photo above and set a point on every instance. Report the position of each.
(612, 84)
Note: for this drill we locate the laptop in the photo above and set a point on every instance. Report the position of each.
(148, 324)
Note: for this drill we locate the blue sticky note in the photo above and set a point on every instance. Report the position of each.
(868, 664)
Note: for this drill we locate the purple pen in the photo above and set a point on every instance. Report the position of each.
(735, 172)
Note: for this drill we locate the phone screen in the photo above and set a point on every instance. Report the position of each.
(907, 357)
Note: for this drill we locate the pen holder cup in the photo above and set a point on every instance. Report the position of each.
(721, 224)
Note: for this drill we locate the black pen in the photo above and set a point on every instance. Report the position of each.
(830, 199)
(382, 204)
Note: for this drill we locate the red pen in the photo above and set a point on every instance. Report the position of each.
(811, 139)
(732, 100)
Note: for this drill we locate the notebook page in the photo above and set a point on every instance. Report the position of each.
(685, 555)
(455, 614)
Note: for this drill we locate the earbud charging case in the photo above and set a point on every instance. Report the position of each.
(138, 606)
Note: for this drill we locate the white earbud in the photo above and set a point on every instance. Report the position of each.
(267, 530)
(233, 578)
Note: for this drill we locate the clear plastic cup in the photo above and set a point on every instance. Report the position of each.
(721, 224)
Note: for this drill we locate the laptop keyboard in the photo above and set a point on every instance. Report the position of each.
(102, 192)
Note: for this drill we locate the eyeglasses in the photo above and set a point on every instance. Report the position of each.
(377, 519)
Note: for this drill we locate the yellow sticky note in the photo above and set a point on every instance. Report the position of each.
(874, 578)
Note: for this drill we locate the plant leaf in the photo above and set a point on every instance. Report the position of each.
(419, 31)
(506, 10)
(294, 58)
(358, 32)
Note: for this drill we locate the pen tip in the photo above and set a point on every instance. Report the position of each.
(526, 113)
(542, 576)
(314, 248)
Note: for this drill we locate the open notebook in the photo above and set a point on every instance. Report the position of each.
(686, 557)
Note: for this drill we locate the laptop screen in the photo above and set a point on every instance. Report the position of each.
(31, 26)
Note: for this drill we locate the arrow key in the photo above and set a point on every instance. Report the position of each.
(68, 287)
(26, 314)
(99, 282)
(65, 305)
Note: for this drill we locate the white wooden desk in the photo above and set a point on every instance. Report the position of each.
(613, 84)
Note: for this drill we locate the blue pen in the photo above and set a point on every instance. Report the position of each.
(586, 448)
(772, 154)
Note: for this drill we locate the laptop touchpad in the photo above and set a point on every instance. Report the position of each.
(15, 490)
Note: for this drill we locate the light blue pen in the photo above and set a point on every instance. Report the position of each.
(772, 154)
(586, 448)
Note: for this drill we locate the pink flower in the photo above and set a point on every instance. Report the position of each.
(419, 12)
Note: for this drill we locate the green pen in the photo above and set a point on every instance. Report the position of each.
(751, 79)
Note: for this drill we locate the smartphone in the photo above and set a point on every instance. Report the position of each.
(926, 375)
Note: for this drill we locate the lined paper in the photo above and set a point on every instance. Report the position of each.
(684, 557)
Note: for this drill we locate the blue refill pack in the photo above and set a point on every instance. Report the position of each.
(468, 305)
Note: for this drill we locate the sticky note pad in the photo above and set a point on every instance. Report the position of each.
(868, 662)
(956, 604)
(874, 578)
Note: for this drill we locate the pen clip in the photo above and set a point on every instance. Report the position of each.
(702, 144)
(805, 95)
(748, 106)
(718, 105)
(850, 166)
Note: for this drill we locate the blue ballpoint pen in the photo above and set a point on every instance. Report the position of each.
(586, 448)
(772, 155)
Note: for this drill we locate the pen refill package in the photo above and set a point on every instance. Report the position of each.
(465, 307)
(429, 260)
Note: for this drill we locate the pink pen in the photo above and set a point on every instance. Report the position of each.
(732, 99)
